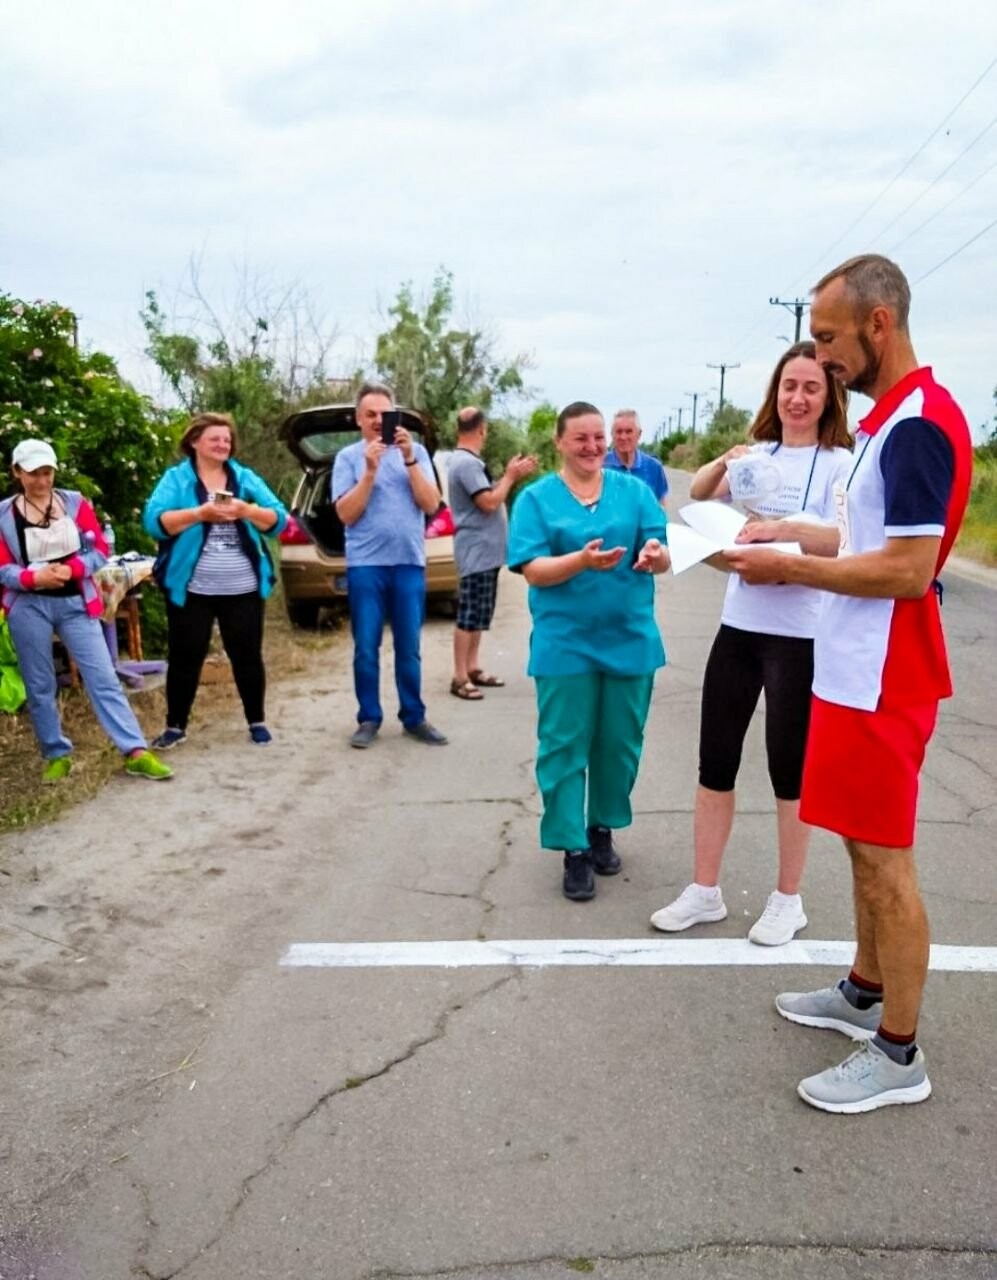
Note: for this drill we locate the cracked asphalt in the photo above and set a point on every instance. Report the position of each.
(175, 1104)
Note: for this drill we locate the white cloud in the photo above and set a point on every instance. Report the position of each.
(622, 190)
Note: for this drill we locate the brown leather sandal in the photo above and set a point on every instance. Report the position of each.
(466, 691)
(480, 680)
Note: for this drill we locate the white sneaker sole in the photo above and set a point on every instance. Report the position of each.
(703, 917)
(776, 942)
(848, 1029)
(888, 1098)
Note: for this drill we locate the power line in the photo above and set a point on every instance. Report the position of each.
(955, 253)
(948, 204)
(900, 172)
(753, 329)
(920, 196)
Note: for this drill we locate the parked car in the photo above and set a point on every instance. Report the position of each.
(312, 546)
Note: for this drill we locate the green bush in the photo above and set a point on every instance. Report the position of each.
(979, 529)
(112, 443)
(664, 447)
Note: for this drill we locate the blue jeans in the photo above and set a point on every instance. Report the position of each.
(395, 594)
(33, 620)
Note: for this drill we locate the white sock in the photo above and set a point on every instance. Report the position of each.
(707, 890)
(787, 898)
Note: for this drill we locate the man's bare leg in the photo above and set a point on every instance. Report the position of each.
(891, 916)
(462, 647)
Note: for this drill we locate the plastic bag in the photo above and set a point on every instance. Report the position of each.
(12, 692)
(753, 477)
(441, 525)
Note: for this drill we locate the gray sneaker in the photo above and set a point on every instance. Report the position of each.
(866, 1080)
(425, 732)
(364, 734)
(829, 1008)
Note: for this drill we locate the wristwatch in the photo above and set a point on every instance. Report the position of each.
(411, 462)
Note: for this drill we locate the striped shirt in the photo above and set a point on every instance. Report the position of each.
(223, 568)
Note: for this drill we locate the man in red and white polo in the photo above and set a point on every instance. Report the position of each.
(880, 669)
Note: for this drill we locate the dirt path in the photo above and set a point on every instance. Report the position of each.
(123, 924)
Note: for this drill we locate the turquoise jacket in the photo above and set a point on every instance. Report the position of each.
(181, 487)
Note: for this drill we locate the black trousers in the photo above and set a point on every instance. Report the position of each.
(240, 621)
(740, 665)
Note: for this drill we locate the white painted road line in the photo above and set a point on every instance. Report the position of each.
(542, 953)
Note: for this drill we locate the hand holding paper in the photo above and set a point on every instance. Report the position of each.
(711, 527)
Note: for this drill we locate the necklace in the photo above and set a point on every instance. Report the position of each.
(46, 514)
(588, 500)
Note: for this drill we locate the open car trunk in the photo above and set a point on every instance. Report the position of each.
(315, 436)
(316, 513)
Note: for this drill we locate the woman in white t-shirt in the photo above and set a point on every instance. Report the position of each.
(786, 480)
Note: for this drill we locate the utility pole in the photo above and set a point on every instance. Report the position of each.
(723, 370)
(797, 306)
(680, 410)
(694, 396)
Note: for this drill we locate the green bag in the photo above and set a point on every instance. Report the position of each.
(12, 691)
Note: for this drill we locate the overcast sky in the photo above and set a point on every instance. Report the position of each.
(618, 189)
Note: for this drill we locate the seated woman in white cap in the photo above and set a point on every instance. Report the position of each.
(50, 547)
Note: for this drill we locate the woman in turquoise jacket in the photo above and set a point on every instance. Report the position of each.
(587, 541)
(212, 517)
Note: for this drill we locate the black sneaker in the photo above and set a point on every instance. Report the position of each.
(579, 882)
(605, 859)
(364, 734)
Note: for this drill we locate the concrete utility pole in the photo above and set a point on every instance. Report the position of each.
(723, 370)
(797, 306)
(694, 396)
(680, 410)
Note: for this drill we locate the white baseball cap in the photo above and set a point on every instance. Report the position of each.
(29, 455)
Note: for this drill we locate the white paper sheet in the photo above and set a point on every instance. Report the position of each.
(711, 527)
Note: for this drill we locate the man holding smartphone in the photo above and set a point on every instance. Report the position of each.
(383, 488)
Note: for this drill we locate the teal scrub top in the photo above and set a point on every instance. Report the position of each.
(597, 620)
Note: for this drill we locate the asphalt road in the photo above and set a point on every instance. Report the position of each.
(174, 1102)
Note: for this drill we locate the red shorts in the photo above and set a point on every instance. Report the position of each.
(861, 768)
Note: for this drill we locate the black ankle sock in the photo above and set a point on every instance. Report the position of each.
(900, 1048)
(860, 992)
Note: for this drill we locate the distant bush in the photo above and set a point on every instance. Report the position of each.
(667, 444)
(979, 530)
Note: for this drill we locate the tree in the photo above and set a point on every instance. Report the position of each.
(112, 442)
(540, 428)
(435, 368)
(258, 358)
(728, 426)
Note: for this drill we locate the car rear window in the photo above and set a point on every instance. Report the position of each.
(326, 444)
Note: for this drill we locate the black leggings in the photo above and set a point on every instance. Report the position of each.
(740, 665)
(240, 621)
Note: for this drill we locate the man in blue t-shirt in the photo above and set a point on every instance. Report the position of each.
(625, 456)
(383, 493)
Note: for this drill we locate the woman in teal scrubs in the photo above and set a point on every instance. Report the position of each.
(587, 541)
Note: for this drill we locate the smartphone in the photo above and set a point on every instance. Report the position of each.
(391, 420)
(222, 495)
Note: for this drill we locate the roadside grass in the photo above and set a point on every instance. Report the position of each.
(25, 801)
(978, 537)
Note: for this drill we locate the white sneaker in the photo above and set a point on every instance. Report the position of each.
(694, 905)
(781, 920)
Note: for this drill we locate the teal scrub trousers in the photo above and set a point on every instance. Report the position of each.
(588, 724)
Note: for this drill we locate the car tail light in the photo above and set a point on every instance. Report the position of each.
(293, 535)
